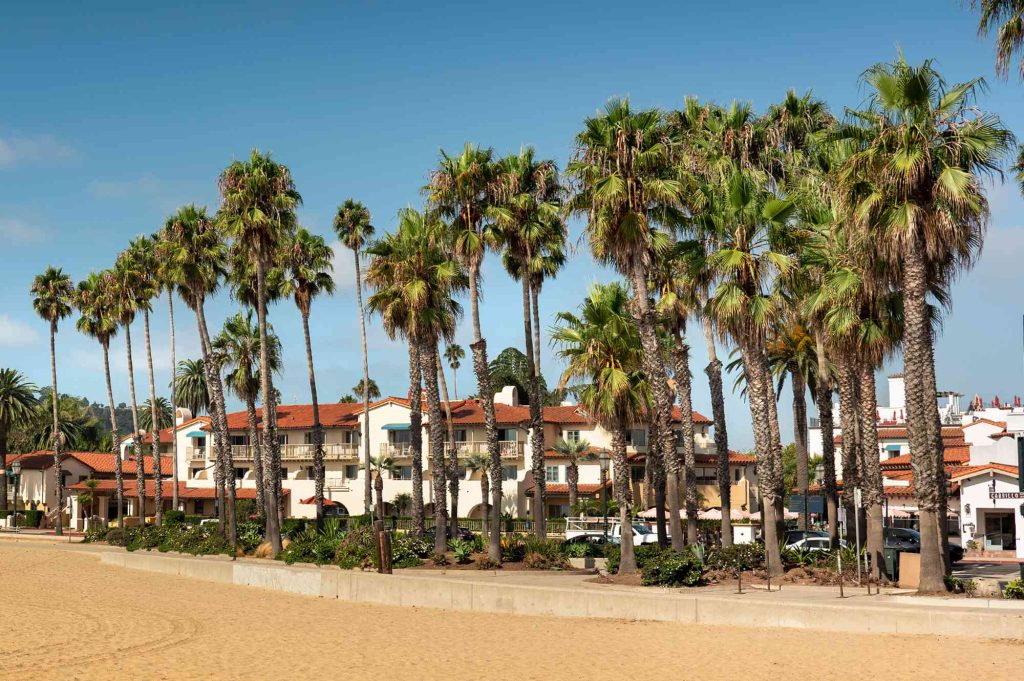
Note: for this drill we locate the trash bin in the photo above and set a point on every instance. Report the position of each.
(892, 564)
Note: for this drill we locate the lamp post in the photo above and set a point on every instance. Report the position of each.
(602, 460)
(16, 475)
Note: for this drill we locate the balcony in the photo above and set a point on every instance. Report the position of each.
(510, 449)
(397, 450)
(332, 452)
(196, 455)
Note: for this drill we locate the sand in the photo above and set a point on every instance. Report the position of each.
(78, 619)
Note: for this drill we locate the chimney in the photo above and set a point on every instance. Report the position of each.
(509, 395)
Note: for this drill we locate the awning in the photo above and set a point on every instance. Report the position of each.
(309, 501)
(396, 426)
(892, 448)
(195, 433)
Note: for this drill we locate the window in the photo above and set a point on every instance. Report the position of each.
(402, 473)
(282, 438)
(572, 435)
(509, 473)
(284, 473)
(200, 442)
(507, 434)
(460, 435)
(399, 437)
(557, 511)
(351, 471)
(551, 473)
(637, 473)
(307, 438)
(240, 473)
(238, 440)
(737, 474)
(706, 476)
(637, 437)
(196, 471)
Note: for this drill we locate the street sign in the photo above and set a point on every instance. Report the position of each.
(815, 504)
(858, 498)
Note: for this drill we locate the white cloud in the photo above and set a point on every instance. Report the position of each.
(146, 185)
(15, 334)
(15, 230)
(18, 150)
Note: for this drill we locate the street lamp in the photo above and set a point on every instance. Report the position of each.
(16, 474)
(602, 460)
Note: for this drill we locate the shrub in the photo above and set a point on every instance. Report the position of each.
(95, 534)
(461, 550)
(115, 536)
(955, 585)
(193, 519)
(293, 527)
(513, 549)
(581, 550)
(4, 513)
(672, 568)
(315, 547)
(174, 517)
(250, 536)
(31, 518)
(408, 551)
(737, 557)
(439, 559)
(551, 549)
(487, 563)
(613, 552)
(357, 549)
(1014, 589)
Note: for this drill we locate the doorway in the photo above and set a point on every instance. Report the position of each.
(999, 531)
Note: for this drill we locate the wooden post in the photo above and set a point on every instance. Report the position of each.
(384, 541)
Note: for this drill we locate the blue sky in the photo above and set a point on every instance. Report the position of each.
(114, 114)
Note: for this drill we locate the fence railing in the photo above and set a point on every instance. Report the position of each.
(332, 452)
(555, 526)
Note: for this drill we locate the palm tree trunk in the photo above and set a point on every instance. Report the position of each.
(253, 437)
(452, 451)
(684, 388)
(428, 362)
(3, 466)
(174, 403)
(140, 457)
(941, 480)
(871, 482)
(483, 380)
(56, 437)
(714, 373)
(158, 497)
(416, 438)
(115, 438)
(484, 503)
(800, 439)
(224, 467)
(537, 415)
(536, 421)
(572, 477)
(775, 443)
(828, 447)
(850, 419)
(367, 494)
(273, 529)
(318, 431)
(621, 480)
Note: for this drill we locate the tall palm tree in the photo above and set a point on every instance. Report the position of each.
(460, 189)
(1006, 18)
(259, 200)
(352, 224)
(914, 186)
(526, 213)
(167, 280)
(17, 401)
(199, 255)
(628, 188)
(237, 347)
(143, 253)
(480, 463)
(52, 292)
(454, 354)
(574, 451)
(453, 472)
(381, 465)
(189, 385)
(373, 392)
(161, 408)
(99, 320)
(307, 260)
(602, 347)
(416, 280)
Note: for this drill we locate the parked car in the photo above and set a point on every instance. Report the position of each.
(575, 527)
(463, 533)
(793, 536)
(905, 539)
(815, 543)
(597, 539)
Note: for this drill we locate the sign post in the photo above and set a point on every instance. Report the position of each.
(857, 499)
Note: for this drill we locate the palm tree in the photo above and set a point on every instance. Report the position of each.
(1006, 18)
(380, 465)
(373, 393)
(402, 502)
(308, 263)
(258, 211)
(460, 190)
(574, 451)
(189, 385)
(164, 416)
(626, 186)
(416, 436)
(17, 401)
(453, 472)
(131, 292)
(52, 292)
(98, 320)
(415, 280)
(353, 226)
(526, 213)
(199, 256)
(167, 280)
(454, 354)
(602, 347)
(237, 347)
(479, 463)
(914, 187)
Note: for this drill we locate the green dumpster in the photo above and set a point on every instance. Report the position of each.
(892, 564)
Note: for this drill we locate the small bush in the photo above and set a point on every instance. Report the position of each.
(737, 557)
(439, 559)
(249, 535)
(672, 568)
(461, 550)
(1014, 590)
(115, 536)
(357, 549)
(174, 517)
(311, 546)
(95, 534)
(513, 548)
(31, 518)
(293, 527)
(408, 551)
(487, 563)
(582, 550)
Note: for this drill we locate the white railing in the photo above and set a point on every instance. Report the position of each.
(332, 452)
(196, 453)
(395, 450)
(510, 449)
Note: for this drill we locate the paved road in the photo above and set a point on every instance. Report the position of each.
(1003, 572)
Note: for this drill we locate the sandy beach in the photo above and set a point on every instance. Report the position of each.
(77, 619)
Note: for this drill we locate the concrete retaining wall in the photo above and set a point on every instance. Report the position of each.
(463, 593)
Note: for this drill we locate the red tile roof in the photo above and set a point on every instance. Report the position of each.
(997, 424)
(563, 488)
(470, 412)
(951, 456)
(99, 462)
(968, 471)
(300, 417)
(737, 458)
(955, 433)
(184, 492)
